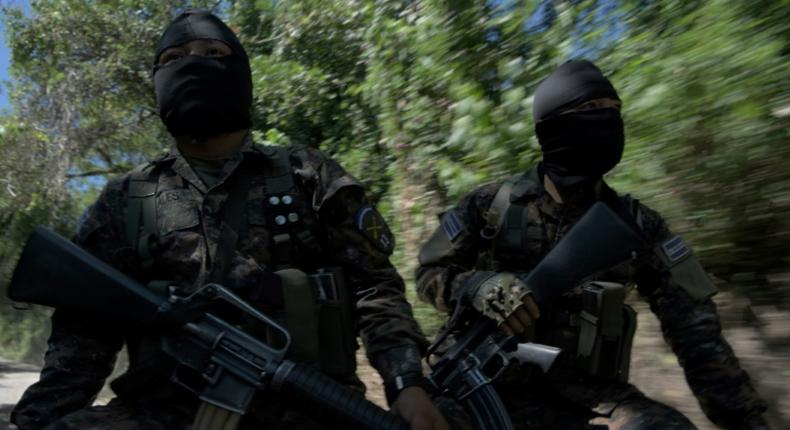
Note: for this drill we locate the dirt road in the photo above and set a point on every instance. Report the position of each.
(14, 378)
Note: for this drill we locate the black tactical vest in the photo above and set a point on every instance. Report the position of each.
(317, 309)
(594, 327)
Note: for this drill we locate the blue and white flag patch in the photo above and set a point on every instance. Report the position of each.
(675, 249)
(452, 225)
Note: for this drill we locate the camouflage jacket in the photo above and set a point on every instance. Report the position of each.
(82, 349)
(687, 314)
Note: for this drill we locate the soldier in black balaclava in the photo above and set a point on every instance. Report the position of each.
(285, 228)
(578, 124)
(202, 78)
(496, 234)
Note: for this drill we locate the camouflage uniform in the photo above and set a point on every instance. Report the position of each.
(567, 397)
(82, 350)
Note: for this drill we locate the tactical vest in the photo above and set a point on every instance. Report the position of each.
(516, 238)
(317, 308)
(596, 328)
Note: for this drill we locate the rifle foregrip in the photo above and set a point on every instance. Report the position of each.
(304, 381)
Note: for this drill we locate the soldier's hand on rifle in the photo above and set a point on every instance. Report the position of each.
(415, 406)
(505, 298)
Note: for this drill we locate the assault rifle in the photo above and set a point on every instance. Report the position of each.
(54, 272)
(476, 358)
(478, 353)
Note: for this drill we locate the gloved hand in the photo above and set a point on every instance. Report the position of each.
(504, 298)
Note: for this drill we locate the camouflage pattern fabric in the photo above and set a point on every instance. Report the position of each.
(123, 415)
(120, 414)
(619, 407)
(499, 296)
(82, 350)
(690, 325)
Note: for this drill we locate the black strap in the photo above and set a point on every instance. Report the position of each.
(495, 215)
(512, 189)
(232, 215)
(141, 212)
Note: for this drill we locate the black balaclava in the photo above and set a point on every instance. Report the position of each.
(578, 147)
(203, 96)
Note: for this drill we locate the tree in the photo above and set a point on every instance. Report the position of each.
(83, 109)
(700, 85)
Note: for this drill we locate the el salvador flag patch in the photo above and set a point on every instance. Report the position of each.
(675, 249)
(452, 225)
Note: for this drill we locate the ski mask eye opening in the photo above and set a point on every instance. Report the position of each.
(211, 48)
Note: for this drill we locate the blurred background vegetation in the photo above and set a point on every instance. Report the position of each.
(423, 100)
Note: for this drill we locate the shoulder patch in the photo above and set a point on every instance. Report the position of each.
(452, 225)
(372, 225)
(675, 249)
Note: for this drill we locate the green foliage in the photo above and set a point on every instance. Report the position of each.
(307, 81)
(704, 144)
(424, 101)
(83, 108)
(23, 333)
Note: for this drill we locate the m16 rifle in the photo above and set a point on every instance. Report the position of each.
(54, 272)
(476, 358)
(478, 353)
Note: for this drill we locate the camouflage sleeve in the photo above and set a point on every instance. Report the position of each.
(81, 350)
(448, 258)
(359, 240)
(691, 326)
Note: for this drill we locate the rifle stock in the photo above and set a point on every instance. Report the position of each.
(597, 242)
(53, 271)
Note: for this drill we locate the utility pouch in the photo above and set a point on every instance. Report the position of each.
(301, 316)
(605, 331)
(319, 315)
(336, 327)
